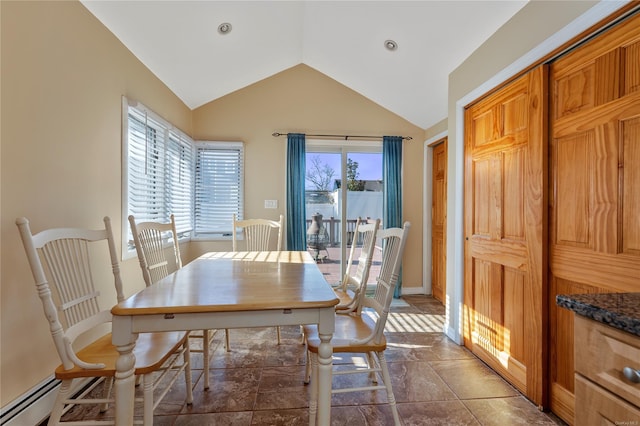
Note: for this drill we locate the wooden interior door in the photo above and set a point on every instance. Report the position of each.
(505, 295)
(595, 185)
(439, 220)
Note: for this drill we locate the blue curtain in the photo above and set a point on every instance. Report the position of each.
(392, 178)
(296, 171)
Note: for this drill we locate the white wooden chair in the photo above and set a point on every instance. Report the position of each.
(354, 284)
(150, 239)
(257, 236)
(363, 333)
(61, 261)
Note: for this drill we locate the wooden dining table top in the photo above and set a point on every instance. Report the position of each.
(235, 281)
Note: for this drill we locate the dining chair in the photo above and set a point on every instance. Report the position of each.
(363, 332)
(257, 236)
(354, 284)
(257, 233)
(63, 261)
(151, 239)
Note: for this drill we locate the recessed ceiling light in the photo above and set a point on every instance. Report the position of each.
(390, 45)
(224, 28)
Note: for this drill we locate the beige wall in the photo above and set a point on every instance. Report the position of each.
(436, 130)
(63, 75)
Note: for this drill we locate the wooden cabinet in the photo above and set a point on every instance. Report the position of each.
(603, 395)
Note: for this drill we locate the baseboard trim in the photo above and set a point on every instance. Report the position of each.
(407, 291)
(32, 407)
(35, 405)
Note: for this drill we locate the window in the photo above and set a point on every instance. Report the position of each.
(159, 172)
(166, 172)
(219, 186)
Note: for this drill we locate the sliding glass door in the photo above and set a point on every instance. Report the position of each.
(343, 183)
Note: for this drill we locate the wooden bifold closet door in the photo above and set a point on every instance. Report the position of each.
(595, 185)
(505, 292)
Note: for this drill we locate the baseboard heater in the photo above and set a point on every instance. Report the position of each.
(34, 406)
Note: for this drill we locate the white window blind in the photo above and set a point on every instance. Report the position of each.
(180, 178)
(218, 187)
(147, 198)
(159, 171)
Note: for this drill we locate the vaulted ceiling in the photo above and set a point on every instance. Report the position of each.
(180, 43)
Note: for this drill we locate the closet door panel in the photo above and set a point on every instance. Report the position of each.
(595, 184)
(505, 232)
(630, 233)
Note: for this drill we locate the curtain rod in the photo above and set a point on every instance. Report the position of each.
(345, 137)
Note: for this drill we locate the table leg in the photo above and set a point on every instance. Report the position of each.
(125, 379)
(312, 359)
(325, 366)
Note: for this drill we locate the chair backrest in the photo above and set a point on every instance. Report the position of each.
(257, 233)
(365, 234)
(392, 243)
(60, 261)
(150, 239)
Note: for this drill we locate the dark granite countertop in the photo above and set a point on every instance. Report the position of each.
(618, 310)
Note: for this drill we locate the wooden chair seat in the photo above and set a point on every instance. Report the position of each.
(345, 296)
(152, 350)
(349, 328)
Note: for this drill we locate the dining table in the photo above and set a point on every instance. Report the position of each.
(221, 290)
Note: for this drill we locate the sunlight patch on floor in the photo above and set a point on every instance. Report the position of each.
(404, 322)
(399, 322)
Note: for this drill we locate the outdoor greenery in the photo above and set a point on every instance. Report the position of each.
(353, 184)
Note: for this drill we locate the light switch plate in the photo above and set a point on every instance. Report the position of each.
(270, 204)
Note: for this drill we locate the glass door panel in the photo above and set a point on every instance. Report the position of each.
(323, 212)
(338, 206)
(364, 199)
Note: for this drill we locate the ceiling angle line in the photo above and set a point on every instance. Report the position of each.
(345, 137)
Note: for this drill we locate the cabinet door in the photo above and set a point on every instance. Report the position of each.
(594, 243)
(602, 407)
(505, 232)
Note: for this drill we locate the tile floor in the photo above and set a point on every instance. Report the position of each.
(435, 381)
